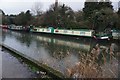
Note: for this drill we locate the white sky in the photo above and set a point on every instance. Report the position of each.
(17, 6)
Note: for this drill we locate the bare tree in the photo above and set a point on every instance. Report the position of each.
(37, 8)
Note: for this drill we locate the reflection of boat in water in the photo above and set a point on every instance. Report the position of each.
(83, 46)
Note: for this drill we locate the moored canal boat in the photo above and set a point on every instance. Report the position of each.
(42, 30)
(75, 32)
(116, 34)
(4, 26)
(103, 36)
(66, 32)
(19, 28)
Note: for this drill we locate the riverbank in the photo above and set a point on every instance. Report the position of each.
(14, 67)
(50, 71)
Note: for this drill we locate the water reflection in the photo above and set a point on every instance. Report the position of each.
(74, 58)
(21, 37)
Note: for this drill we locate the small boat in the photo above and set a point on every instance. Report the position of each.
(103, 36)
(19, 28)
(4, 26)
(116, 34)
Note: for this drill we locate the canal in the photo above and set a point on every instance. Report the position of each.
(73, 57)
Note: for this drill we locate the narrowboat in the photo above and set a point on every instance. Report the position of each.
(19, 28)
(75, 32)
(103, 36)
(42, 30)
(116, 34)
(4, 26)
(51, 30)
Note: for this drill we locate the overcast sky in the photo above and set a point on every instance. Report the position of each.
(17, 6)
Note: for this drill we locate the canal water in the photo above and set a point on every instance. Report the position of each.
(74, 57)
